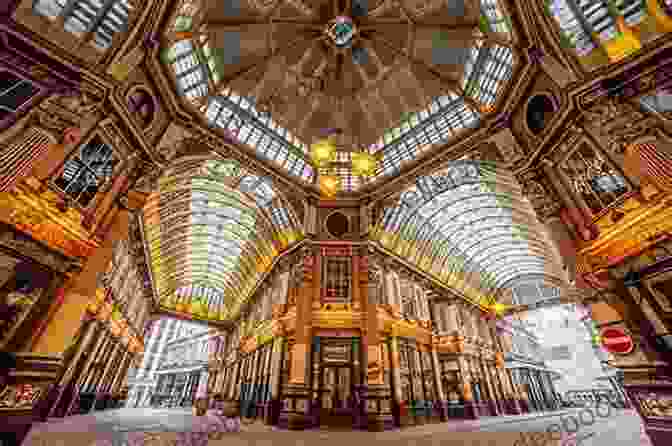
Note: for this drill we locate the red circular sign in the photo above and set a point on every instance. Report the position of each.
(617, 341)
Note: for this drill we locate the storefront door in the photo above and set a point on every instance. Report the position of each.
(337, 396)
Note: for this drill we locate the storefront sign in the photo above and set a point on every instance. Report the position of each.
(617, 341)
(337, 251)
(337, 333)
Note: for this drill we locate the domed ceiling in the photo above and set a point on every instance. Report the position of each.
(391, 78)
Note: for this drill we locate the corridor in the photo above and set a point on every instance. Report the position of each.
(621, 428)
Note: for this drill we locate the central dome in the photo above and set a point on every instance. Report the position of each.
(341, 31)
(398, 78)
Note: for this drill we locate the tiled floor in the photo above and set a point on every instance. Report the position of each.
(621, 429)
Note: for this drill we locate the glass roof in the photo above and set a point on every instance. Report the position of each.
(587, 24)
(197, 73)
(213, 229)
(469, 226)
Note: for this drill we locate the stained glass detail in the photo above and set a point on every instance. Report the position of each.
(469, 226)
(213, 230)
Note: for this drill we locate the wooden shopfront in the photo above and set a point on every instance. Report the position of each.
(31, 277)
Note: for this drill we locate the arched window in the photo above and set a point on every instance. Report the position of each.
(98, 20)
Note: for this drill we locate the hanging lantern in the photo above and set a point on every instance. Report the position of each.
(329, 185)
(485, 108)
(364, 164)
(323, 152)
(624, 44)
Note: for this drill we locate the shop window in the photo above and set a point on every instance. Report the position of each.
(14, 92)
(593, 178)
(337, 272)
(407, 371)
(22, 286)
(87, 171)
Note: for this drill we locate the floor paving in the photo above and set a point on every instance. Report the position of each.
(116, 427)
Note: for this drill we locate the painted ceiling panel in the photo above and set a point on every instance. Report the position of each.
(470, 227)
(213, 230)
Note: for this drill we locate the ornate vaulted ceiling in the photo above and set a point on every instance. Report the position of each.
(395, 79)
(213, 230)
(470, 226)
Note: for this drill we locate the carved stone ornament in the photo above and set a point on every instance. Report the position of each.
(619, 123)
(51, 121)
(543, 202)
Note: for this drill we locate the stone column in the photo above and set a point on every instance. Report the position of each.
(396, 378)
(467, 393)
(120, 373)
(102, 384)
(450, 310)
(376, 390)
(492, 402)
(396, 292)
(111, 367)
(310, 217)
(267, 372)
(483, 334)
(364, 220)
(256, 364)
(94, 372)
(234, 379)
(63, 391)
(440, 395)
(310, 269)
(201, 399)
(469, 326)
(276, 369)
(417, 382)
(84, 376)
(296, 393)
(92, 357)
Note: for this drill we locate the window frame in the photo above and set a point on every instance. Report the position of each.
(104, 188)
(578, 196)
(28, 104)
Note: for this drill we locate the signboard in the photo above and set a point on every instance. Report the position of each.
(617, 341)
